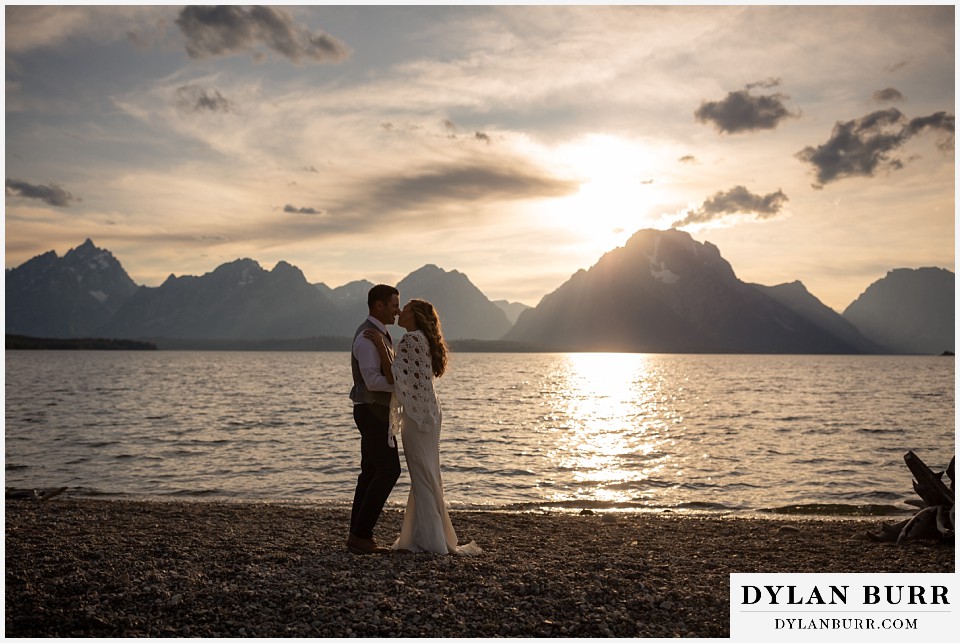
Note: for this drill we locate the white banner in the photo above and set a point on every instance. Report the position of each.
(848, 607)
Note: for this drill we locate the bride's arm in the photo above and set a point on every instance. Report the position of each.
(400, 366)
(386, 362)
(412, 365)
(416, 372)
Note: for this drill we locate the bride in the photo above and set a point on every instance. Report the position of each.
(421, 355)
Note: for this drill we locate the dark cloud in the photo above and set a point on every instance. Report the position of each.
(453, 130)
(294, 210)
(688, 158)
(887, 95)
(864, 145)
(769, 83)
(433, 195)
(468, 181)
(737, 200)
(191, 98)
(940, 121)
(742, 111)
(230, 29)
(895, 66)
(51, 194)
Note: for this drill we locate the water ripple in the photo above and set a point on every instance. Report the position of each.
(801, 434)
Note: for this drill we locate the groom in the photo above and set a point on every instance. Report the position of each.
(379, 461)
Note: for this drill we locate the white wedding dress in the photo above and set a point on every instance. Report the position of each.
(415, 411)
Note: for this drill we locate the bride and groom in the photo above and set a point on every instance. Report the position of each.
(393, 392)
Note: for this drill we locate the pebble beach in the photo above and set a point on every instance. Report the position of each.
(80, 567)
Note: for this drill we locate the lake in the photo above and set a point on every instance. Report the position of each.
(823, 435)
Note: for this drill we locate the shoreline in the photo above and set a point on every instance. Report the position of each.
(802, 511)
(108, 568)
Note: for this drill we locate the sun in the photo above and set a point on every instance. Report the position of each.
(617, 190)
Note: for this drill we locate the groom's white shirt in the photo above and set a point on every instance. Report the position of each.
(369, 360)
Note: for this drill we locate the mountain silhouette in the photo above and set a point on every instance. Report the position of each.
(351, 300)
(797, 298)
(910, 311)
(464, 311)
(511, 309)
(72, 296)
(88, 294)
(663, 292)
(349, 296)
(238, 300)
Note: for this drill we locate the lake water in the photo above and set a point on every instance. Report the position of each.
(727, 433)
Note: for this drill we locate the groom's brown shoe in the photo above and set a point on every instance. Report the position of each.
(358, 545)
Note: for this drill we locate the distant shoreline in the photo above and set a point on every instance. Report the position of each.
(321, 343)
(23, 342)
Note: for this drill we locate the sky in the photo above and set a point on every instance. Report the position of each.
(514, 144)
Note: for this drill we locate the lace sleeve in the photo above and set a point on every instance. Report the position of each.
(413, 381)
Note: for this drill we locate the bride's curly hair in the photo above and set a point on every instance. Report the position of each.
(428, 321)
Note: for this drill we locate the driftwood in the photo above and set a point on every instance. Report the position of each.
(33, 494)
(936, 518)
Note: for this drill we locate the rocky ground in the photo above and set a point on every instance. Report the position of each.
(80, 567)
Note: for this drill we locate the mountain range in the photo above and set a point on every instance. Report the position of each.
(661, 292)
(238, 300)
(910, 311)
(665, 292)
(72, 296)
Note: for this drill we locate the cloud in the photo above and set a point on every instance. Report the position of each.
(225, 30)
(52, 26)
(447, 195)
(741, 111)
(887, 95)
(294, 210)
(688, 158)
(148, 35)
(51, 194)
(192, 98)
(737, 200)
(896, 66)
(939, 121)
(469, 181)
(769, 83)
(864, 145)
(452, 131)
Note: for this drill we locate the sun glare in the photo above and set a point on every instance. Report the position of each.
(617, 190)
(609, 397)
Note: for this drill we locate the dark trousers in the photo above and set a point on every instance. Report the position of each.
(379, 468)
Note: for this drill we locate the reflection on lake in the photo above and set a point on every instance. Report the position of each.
(612, 408)
(521, 431)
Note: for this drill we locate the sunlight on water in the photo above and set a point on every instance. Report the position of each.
(520, 431)
(610, 401)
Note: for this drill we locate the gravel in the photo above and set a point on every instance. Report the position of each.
(107, 568)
